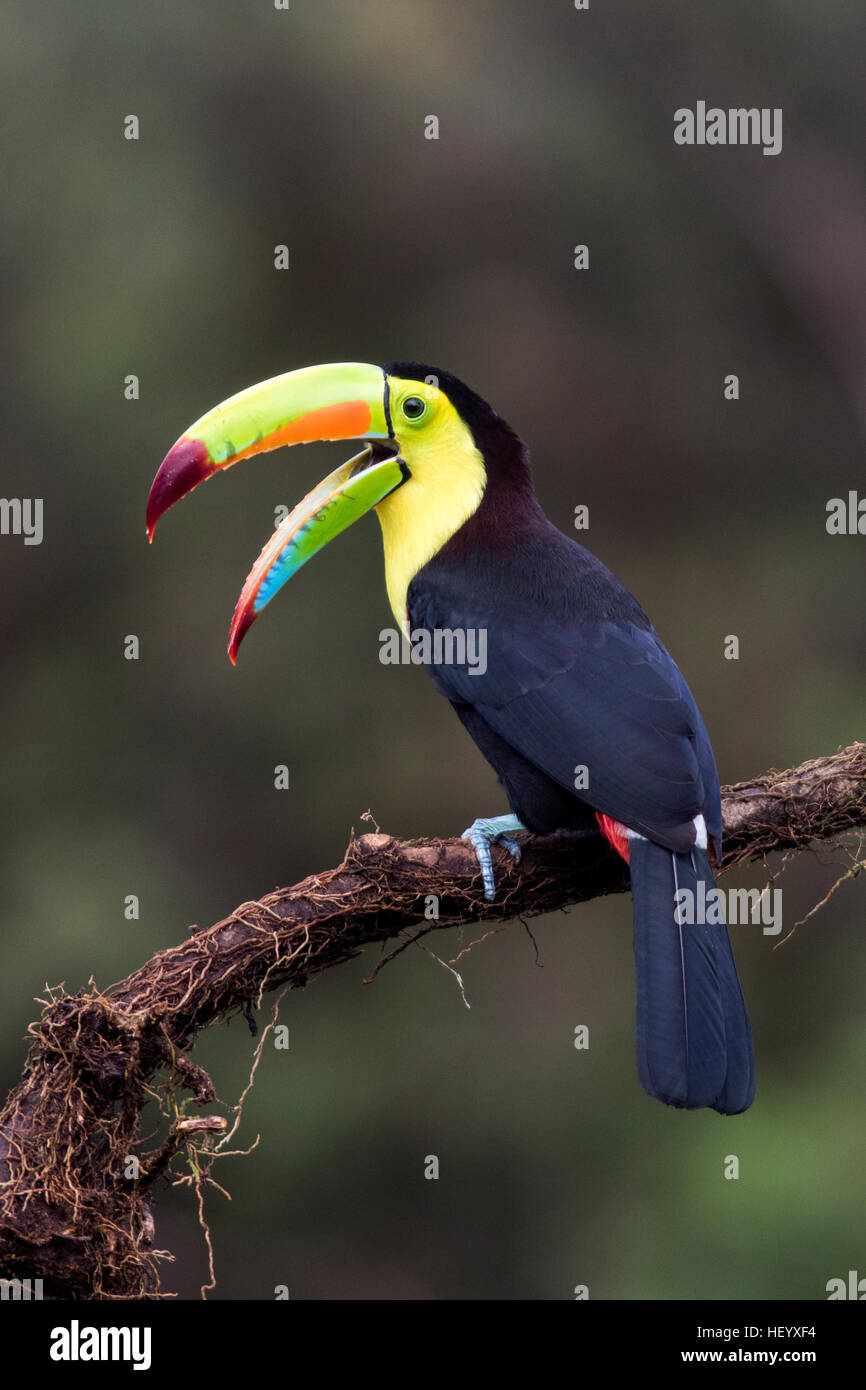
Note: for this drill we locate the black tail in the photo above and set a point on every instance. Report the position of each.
(694, 1044)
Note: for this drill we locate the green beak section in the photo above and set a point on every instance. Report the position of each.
(332, 506)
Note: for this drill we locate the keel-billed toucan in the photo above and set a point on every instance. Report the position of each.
(575, 676)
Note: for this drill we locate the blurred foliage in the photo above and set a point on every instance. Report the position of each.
(155, 777)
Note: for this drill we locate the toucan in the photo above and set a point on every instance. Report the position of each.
(583, 715)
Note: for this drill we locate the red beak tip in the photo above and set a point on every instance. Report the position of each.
(185, 465)
(241, 624)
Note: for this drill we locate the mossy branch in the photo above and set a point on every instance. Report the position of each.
(75, 1211)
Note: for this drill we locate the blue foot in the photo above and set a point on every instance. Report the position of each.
(481, 834)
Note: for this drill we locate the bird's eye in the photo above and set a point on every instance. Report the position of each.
(413, 407)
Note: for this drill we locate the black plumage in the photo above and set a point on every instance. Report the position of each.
(577, 677)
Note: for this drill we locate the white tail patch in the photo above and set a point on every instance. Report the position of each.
(700, 832)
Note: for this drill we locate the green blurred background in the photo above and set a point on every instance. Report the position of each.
(155, 777)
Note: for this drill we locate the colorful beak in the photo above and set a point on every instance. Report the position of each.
(344, 400)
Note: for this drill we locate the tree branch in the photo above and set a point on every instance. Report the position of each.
(75, 1187)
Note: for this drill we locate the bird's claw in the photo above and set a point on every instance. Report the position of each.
(481, 834)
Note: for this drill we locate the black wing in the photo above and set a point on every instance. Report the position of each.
(576, 677)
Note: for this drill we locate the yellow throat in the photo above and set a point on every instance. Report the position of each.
(445, 489)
